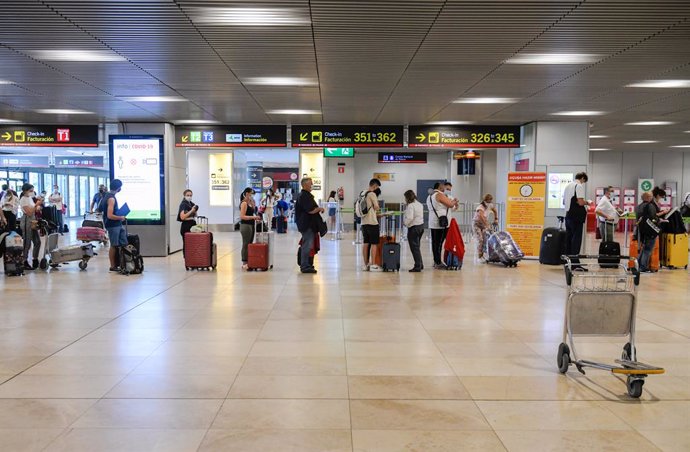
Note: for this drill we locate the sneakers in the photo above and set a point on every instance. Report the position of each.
(375, 268)
(415, 270)
(365, 268)
(440, 266)
(115, 269)
(27, 266)
(310, 270)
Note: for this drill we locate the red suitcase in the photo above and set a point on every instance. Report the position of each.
(257, 256)
(199, 251)
(91, 234)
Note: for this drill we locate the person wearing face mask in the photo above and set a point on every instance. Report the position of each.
(249, 215)
(56, 200)
(186, 214)
(481, 222)
(29, 209)
(96, 201)
(439, 207)
(113, 223)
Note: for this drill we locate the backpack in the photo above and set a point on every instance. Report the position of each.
(361, 207)
(131, 262)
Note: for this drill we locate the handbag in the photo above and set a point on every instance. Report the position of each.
(442, 220)
(576, 212)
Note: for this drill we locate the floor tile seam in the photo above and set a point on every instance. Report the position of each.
(93, 331)
(686, 336)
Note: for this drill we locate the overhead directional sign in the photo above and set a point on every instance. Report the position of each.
(338, 152)
(24, 161)
(400, 157)
(71, 161)
(240, 136)
(49, 136)
(355, 136)
(464, 136)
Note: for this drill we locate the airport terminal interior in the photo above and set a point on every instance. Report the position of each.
(523, 125)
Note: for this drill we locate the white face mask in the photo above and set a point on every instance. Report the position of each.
(188, 198)
(447, 192)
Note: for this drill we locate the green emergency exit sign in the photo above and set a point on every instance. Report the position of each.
(339, 152)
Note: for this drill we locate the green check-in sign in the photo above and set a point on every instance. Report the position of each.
(339, 152)
(646, 185)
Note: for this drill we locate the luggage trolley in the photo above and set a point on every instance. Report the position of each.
(603, 302)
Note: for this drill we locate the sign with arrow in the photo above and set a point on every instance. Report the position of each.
(376, 136)
(48, 136)
(464, 137)
(339, 152)
(231, 136)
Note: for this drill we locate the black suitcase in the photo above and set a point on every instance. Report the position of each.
(390, 260)
(281, 223)
(552, 246)
(612, 249)
(13, 262)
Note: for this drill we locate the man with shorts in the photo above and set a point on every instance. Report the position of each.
(370, 223)
(113, 224)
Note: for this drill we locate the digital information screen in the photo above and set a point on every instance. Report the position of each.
(464, 136)
(556, 186)
(399, 157)
(137, 160)
(351, 136)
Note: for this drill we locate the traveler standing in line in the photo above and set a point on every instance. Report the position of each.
(607, 215)
(97, 197)
(370, 223)
(646, 239)
(575, 213)
(55, 199)
(306, 211)
(113, 224)
(268, 204)
(481, 224)
(29, 210)
(332, 210)
(10, 208)
(248, 218)
(414, 221)
(186, 214)
(439, 205)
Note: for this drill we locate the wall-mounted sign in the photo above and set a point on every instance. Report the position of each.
(82, 161)
(557, 183)
(643, 185)
(385, 177)
(49, 136)
(339, 152)
(24, 161)
(220, 176)
(255, 175)
(464, 136)
(354, 136)
(266, 182)
(400, 157)
(241, 136)
(466, 155)
(137, 160)
(525, 210)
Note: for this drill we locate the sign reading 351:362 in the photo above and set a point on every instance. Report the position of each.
(351, 136)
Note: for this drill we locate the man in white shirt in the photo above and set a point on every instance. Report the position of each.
(575, 213)
(607, 215)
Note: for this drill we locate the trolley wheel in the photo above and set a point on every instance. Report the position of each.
(44, 264)
(83, 265)
(385, 269)
(634, 386)
(563, 358)
(397, 268)
(627, 355)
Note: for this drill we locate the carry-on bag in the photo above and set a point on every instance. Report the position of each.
(281, 224)
(93, 221)
(199, 249)
(259, 253)
(502, 248)
(673, 252)
(13, 254)
(391, 257)
(91, 234)
(552, 245)
(654, 261)
(607, 249)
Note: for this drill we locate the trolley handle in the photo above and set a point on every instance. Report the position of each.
(569, 265)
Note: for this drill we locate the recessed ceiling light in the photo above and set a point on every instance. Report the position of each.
(8, 121)
(281, 81)
(486, 100)
(681, 146)
(649, 123)
(155, 99)
(195, 121)
(579, 113)
(661, 84)
(6, 82)
(252, 16)
(293, 112)
(77, 55)
(448, 123)
(598, 136)
(599, 149)
(62, 111)
(640, 141)
(554, 58)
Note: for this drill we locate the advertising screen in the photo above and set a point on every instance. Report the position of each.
(557, 183)
(137, 160)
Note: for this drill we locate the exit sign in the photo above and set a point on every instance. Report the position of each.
(339, 152)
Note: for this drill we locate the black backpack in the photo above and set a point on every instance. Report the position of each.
(131, 262)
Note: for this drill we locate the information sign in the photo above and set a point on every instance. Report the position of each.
(464, 136)
(525, 210)
(48, 136)
(355, 136)
(239, 136)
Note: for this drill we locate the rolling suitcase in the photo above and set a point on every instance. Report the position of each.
(91, 234)
(13, 254)
(502, 248)
(612, 249)
(390, 260)
(654, 261)
(673, 251)
(552, 245)
(257, 256)
(199, 251)
(281, 224)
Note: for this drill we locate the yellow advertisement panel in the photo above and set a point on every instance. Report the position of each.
(311, 165)
(525, 210)
(220, 178)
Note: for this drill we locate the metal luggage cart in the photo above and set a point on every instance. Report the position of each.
(58, 256)
(603, 302)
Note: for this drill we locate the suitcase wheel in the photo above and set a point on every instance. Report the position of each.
(44, 264)
(83, 265)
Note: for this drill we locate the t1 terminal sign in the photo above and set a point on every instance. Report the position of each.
(354, 136)
(464, 136)
(266, 136)
(49, 136)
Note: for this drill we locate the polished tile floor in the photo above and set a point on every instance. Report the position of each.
(340, 361)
